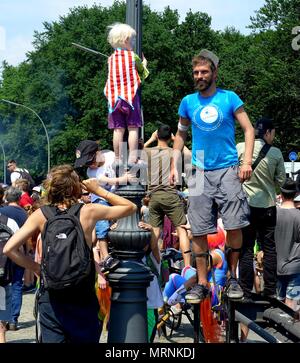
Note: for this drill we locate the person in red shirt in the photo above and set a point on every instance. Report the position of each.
(25, 200)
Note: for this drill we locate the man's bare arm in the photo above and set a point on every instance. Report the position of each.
(178, 145)
(244, 121)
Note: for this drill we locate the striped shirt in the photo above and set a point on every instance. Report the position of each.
(123, 78)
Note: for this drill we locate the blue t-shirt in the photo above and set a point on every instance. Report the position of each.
(16, 213)
(213, 128)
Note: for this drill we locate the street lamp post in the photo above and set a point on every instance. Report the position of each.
(42, 122)
(4, 163)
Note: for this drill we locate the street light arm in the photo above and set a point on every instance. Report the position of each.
(42, 122)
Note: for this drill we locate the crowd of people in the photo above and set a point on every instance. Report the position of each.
(231, 191)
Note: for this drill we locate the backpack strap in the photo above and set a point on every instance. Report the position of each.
(263, 152)
(48, 211)
(3, 219)
(75, 209)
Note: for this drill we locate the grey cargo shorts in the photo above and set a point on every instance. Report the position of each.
(223, 197)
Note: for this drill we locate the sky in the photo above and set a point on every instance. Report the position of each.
(20, 18)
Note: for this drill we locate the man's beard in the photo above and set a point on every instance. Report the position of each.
(203, 85)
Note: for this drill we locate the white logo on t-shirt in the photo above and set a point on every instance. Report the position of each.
(209, 114)
(208, 118)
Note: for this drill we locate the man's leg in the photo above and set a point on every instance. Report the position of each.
(2, 331)
(246, 270)
(102, 228)
(266, 234)
(234, 242)
(17, 294)
(156, 233)
(199, 291)
(117, 142)
(184, 243)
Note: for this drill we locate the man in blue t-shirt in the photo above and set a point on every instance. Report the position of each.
(215, 186)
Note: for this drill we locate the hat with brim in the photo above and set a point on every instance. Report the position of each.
(288, 191)
(85, 153)
(211, 56)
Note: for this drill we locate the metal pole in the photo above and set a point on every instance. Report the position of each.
(4, 163)
(86, 49)
(42, 122)
(293, 170)
(134, 19)
(256, 328)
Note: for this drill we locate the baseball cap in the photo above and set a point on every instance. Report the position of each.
(289, 186)
(262, 125)
(37, 189)
(209, 55)
(85, 153)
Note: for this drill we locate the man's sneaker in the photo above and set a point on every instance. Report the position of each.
(196, 294)
(233, 289)
(109, 264)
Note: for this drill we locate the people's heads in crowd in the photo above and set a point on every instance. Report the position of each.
(22, 184)
(87, 155)
(121, 35)
(85, 197)
(205, 66)
(164, 132)
(62, 186)
(36, 193)
(1, 194)
(297, 201)
(11, 165)
(13, 195)
(146, 201)
(288, 190)
(264, 129)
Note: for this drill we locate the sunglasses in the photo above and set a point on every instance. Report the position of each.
(85, 194)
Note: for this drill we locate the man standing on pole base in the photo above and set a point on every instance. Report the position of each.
(212, 113)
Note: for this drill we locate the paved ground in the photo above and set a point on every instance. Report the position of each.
(26, 333)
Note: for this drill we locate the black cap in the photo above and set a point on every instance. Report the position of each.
(289, 186)
(85, 153)
(262, 125)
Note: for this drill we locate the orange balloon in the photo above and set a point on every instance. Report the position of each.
(216, 239)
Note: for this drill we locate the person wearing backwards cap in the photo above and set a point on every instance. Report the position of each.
(212, 112)
(261, 195)
(287, 239)
(99, 166)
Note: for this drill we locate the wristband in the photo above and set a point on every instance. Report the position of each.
(182, 127)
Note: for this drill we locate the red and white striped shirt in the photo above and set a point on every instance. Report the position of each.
(123, 78)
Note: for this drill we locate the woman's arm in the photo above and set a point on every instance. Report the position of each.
(121, 207)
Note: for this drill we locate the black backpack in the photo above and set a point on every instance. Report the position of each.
(5, 262)
(66, 258)
(25, 175)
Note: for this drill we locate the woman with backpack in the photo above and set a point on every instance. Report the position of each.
(67, 304)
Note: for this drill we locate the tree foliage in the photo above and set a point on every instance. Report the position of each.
(64, 85)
